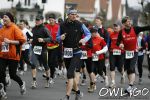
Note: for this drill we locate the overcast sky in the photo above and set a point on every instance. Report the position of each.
(135, 3)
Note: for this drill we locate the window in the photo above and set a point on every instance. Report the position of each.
(31, 17)
(28, 2)
(21, 16)
(25, 2)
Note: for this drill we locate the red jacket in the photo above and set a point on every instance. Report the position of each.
(98, 44)
(53, 29)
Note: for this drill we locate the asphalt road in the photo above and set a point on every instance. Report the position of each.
(58, 90)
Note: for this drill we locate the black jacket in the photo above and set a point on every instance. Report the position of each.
(41, 31)
(73, 32)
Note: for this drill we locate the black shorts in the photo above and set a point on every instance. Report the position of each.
(72, 65)
(98, 66)
(116, 61)
(129, 64)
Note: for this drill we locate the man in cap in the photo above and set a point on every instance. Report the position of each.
(128, 35)
(41, 36)
(70, 33)
(11, 40)
(116, 56)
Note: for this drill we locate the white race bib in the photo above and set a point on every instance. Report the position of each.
(147, 52)
(116, 52)
(95, 57)
(68, 52)
(23, 47)
(37, 50)
(84, 55)
(129, 54)
(5, 47)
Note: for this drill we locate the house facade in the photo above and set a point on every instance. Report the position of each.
(29, 9)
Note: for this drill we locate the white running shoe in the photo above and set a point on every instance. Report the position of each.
(23, 88)
(34, 84)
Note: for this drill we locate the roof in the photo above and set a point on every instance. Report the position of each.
(83, 6)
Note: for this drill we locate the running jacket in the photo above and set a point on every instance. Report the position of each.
(74, 31)
(113, 41)
(98, 44)
(53, 29)
(41, 31)
(12, 33)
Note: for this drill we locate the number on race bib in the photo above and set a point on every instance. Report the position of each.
(95, 57)
(68, 52)
(84, 55)
(116, 52)
(5, 47)
(37, 50)
(129, 54)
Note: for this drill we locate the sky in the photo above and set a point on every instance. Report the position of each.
(135, 3)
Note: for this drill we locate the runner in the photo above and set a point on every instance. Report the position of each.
(11, 40)
(98, 51)
(116, 56)
(52, 47)
(129, 37)
(70, 33)
(104, 34)
(148, 52)
(41, 36)
(25, 47)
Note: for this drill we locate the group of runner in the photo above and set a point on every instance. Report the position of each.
(73, 45)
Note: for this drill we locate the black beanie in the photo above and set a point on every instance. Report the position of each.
(10, 16)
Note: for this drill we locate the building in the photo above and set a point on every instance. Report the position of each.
(29, 9)
(111, 9)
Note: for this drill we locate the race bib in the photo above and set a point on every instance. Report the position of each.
(147, 52)
(37, 50)
(95, 57)
(23, 47)
(68, 52)
(116, 52)
(84, 55)
(5, 47)
(129, 54)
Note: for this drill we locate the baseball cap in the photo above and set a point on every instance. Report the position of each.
(124, 19)
(94, 29)
(39, 17)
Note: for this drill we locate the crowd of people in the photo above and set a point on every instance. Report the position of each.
(73, 46)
